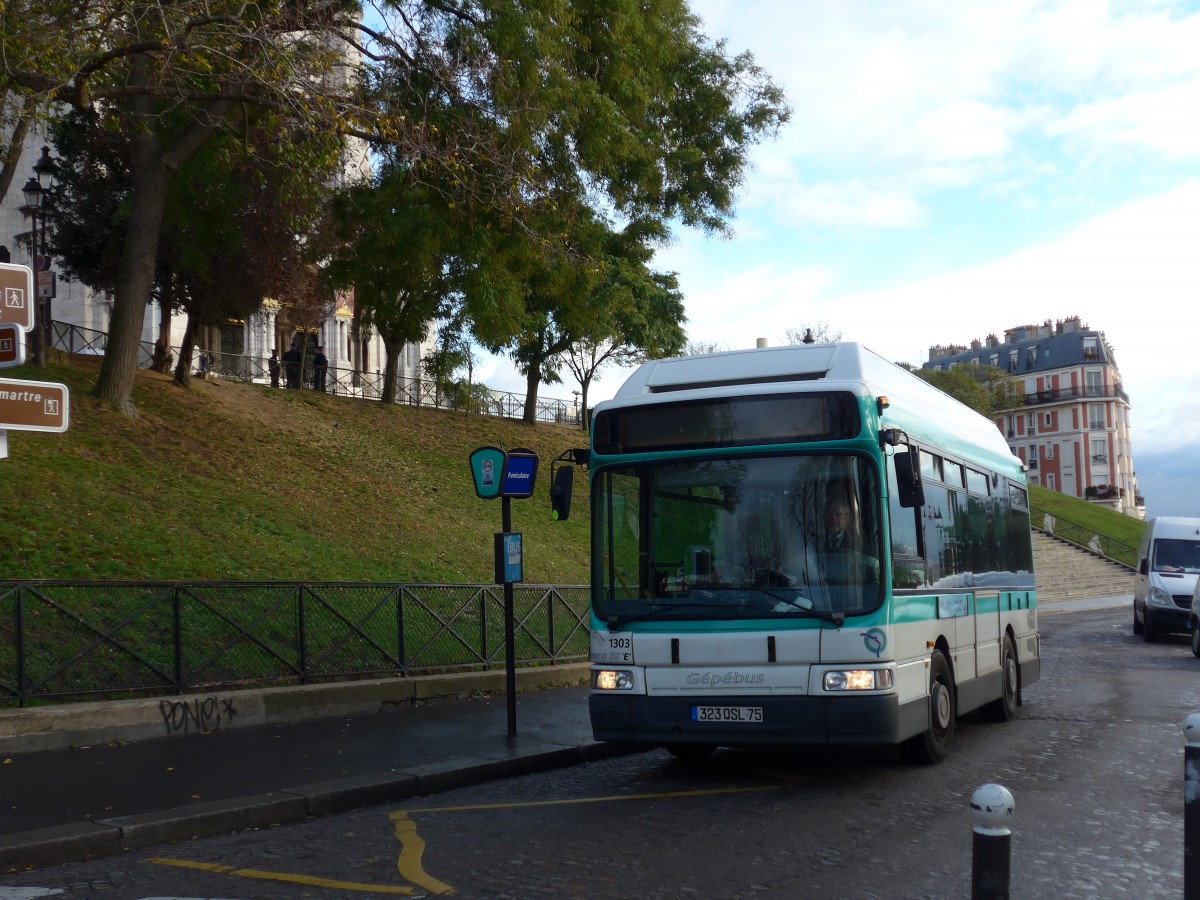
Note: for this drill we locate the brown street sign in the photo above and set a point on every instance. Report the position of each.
(33, 405)
(16, 296)
(12, 346)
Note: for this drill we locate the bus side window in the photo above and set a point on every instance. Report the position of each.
(910, 488)
(908, 564)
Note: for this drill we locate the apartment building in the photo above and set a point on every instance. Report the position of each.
(1073, 433)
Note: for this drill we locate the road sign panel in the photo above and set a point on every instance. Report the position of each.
(33, 405)
(16, 296)
(12, 346)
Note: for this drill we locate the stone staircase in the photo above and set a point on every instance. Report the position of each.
(1063, 571)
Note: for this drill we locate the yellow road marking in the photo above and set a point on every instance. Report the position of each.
(412, 847)
(412, 850)
(282, 876)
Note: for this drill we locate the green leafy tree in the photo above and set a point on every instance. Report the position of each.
(400, 245)
(641, 319)
(985, 389)
(511, 103)
(236, 226)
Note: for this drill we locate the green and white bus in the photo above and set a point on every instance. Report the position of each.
(803, 545)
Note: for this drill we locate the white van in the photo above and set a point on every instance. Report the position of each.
(1168, 562)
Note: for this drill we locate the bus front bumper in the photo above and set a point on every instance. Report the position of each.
(800, 720)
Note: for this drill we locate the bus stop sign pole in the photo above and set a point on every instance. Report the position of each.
(507, 475)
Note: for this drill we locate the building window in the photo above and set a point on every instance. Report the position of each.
(1048, 421)
(1031, 357)
(1050, 480)
(1012, 360)
(994, 360)
(1091, 349)
(1094, 386)
(1096, 417)
(1099, 450)
(1012, 426)
(1031, 423)
(1049, 451)
(1033, 456)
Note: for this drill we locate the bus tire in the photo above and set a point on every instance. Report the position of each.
(1137, 623)
(933, 744)
(1005, 706)
(1195, 638)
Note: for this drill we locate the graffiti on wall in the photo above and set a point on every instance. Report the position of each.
(198, 715)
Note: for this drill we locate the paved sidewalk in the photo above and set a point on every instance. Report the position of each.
(69, 804)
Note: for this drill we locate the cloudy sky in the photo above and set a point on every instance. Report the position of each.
(953, 170)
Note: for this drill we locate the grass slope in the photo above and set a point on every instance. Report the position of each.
(1097, 519)
(229, 481)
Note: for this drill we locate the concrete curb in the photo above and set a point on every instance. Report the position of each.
(39, 728)
(86, 840)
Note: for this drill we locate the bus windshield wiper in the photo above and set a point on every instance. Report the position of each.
(836, 618)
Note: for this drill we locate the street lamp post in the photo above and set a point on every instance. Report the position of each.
(35, 193)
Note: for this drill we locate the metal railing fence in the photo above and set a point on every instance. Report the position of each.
(345, 382)
(1082, 536)
(72, 640)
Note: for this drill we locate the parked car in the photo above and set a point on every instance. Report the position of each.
(1168, 562)
(1196, 620)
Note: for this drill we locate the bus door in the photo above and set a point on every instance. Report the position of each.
(987, 626)
(959, 627)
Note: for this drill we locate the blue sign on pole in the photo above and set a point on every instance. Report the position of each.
(510, 557)
(520, 474)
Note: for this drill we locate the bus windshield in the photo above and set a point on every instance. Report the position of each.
(737, 538)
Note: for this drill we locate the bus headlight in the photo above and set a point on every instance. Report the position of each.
(612, 680)
(858, 680)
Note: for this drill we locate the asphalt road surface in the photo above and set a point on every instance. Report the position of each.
(1094, 762)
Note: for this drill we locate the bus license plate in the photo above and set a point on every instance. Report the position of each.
(750, 714)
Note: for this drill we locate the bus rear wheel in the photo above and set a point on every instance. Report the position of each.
(1005, 706)
(933, 744)
(1195, 638)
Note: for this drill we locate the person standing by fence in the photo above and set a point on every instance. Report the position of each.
(320, 367)
(273, 367)
(291, 367)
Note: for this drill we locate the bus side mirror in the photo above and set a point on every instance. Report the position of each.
(908, 479)
(1144, 568)
(560, 493)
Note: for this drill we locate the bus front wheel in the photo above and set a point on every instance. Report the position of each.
(932, 745)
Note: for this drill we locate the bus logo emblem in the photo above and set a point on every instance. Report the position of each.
(875, 640)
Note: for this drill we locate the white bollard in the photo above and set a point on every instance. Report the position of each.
(991, 810)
